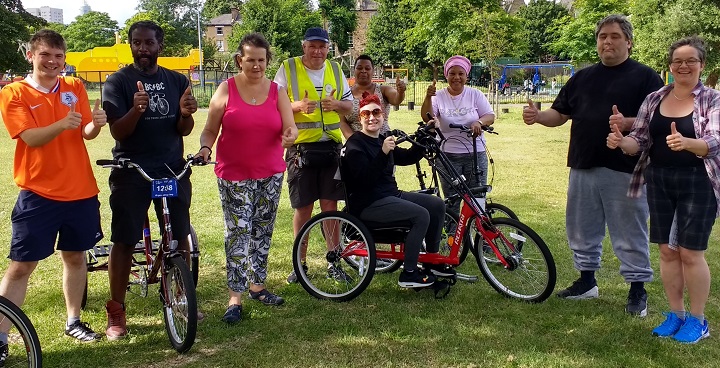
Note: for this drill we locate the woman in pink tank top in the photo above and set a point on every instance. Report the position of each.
(254, 121)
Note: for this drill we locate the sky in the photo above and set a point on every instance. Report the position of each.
(119, 10)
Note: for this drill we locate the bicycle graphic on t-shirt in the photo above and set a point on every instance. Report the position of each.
(159, 103)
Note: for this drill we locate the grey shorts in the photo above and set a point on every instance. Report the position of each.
(307, 185)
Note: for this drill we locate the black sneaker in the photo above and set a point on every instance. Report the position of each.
(580, 290)
(3, 353)
(637, 303)
(441, 270)
(82, 332)
(338, 274)
(266, 297)
(292, 277)
(415, 279)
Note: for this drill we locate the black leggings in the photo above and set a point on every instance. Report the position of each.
(424, 212)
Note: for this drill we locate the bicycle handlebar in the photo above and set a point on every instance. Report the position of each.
(125, 163)
(485, 128)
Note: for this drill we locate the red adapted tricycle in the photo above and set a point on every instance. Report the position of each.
(518, 263)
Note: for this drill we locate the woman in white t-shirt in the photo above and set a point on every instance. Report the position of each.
(459, 104)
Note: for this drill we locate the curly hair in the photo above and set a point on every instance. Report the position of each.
(368, 98)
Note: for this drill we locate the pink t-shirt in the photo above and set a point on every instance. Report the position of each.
(465, 109)
(250, 143)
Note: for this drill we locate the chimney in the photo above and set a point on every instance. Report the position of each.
(235, 15)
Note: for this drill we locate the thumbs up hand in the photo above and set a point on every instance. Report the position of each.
(307, 106)
(617, 118)
(431, 89)
(141, 98)
(329, 103)
(289, 136)
(72, 120)
(530, 113)
(615, 137)
(675, 140)
(188, 103)
(400, 84)
(98, 115)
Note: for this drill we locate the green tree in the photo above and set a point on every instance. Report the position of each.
(282, 22)
(57, 27)
(385, 40)
(90, 30)
(660, 23)
(537, 18)
(470, 27)
(172, 45)
(342, 20)
(15, 23)
(181, 15)
(575, 38)
(214, 8)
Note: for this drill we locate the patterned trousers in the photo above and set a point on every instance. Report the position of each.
(249, 207)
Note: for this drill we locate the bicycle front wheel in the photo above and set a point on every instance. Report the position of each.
(320, 248)
(530, 275)
(179, 304)
(23, 348)
(194, 255)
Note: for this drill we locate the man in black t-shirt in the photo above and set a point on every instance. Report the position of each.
(149, 109)
(596, 98)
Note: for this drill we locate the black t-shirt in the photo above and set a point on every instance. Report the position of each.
(660, 154)
(588, 98)
(368, 173)
(156, 140)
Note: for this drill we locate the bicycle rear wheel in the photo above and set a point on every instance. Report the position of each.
(498, 210)
(312, 261)
(23, 348)
(179, 304)
(530, 275)
(448, 234)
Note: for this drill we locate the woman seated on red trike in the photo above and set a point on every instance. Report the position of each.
(368, 168)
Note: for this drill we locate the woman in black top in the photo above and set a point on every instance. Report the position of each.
(368, 167)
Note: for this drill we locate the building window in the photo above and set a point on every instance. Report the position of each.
(220, 46)
(219, 31)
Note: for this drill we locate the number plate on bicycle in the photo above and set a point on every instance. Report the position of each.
(164, 188)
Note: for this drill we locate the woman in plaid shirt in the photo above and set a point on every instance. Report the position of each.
(677, 132)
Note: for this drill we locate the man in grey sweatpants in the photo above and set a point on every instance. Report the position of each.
(596, 98)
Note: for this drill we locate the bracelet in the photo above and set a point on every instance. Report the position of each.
(209, 149)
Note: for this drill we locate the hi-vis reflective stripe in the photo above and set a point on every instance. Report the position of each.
(317, 124)
(294, 82)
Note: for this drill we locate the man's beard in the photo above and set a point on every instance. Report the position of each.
(145, 65)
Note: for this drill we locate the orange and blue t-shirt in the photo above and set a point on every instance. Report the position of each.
(60, 169)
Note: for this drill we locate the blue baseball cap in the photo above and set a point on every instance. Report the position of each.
(316, 34)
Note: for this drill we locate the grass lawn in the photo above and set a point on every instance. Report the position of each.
(385, 326)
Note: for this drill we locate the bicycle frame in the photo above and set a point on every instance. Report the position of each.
(470, 209)
(167, 247)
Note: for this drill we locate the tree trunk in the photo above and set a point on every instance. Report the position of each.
(712, 79)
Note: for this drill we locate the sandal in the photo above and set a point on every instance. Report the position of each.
(233, 314)
(266, 297)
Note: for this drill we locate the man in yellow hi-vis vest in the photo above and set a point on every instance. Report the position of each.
(319, 94)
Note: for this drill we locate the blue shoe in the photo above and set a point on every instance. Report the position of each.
(692, 331)
(670, 327)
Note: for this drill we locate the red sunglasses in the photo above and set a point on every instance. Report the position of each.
(365, 114)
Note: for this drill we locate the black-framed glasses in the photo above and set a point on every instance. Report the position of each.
(689, 62)
(365, 114)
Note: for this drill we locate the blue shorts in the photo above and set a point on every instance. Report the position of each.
(37, 222)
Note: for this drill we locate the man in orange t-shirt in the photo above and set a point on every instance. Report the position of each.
(49, 117)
